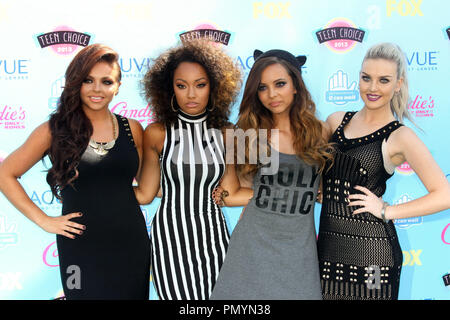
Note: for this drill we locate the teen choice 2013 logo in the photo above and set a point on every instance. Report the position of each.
(340, 35)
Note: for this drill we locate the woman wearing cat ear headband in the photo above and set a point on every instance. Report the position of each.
(272, 252)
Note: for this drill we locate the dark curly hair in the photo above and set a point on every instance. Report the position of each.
(223, 72)
(69, 126)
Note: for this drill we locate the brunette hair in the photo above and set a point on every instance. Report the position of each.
(69, 126)
(309, 143)
(223, 72)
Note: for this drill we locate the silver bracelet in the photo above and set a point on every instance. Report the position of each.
(383, 210)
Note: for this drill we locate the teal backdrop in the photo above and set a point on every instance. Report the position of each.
(38, 39)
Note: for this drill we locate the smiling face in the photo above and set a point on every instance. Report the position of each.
(378, 83)
(276, 90)
(100, 86)
(191, 87)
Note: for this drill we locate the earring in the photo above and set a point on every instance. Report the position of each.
(213, 106)
(171, 103)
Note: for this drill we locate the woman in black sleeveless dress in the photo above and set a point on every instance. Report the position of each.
(113, 254)
(102, 240)
(359, 252)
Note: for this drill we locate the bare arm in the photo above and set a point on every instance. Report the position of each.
(137, 131)
(237, 195)
(19, 162)
(404, 145)
(332, 123)
(150, 176)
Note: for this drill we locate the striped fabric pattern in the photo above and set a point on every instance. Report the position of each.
(189, 233)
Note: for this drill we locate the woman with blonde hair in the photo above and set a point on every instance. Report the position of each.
(359, 252)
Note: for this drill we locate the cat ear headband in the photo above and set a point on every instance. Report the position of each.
(297, 62)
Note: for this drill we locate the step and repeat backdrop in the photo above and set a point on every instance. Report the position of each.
(38, 39)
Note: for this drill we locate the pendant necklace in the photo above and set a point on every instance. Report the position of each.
(103, 148)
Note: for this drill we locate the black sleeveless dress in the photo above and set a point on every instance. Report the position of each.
(111, 260)
(359, 255)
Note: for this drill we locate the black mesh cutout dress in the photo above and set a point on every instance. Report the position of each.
(353, 250)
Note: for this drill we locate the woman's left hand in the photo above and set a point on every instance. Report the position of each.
(368, 201)
(218, 194)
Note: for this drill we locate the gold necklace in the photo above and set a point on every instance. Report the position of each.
(103, 148)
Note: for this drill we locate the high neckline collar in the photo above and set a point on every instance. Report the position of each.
(192, 118)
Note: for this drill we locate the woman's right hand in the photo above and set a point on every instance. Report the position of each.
(63, 226)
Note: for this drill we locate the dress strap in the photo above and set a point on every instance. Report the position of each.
(347, 117)
(124, 127)
(380, 134)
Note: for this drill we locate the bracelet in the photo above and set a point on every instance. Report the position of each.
(383, 210)
(223, 194)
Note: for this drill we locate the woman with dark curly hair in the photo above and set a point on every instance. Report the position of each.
(272, 252)
(101, 235)
(191, 88)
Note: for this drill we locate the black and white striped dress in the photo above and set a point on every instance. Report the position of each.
(189, 232)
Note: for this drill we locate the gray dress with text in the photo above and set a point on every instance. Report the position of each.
(272, 252)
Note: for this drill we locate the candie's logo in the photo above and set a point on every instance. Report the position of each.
(63, 40)
(208, 32)
(144, 115)
(12, 117)
(404, 169)
(340, 35)
(422, 106)
(50, 255)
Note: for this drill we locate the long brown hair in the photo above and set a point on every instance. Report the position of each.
(69, 126)
(309, 142)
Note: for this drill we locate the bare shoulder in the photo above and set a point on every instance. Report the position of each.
(154, 135)
(326, 130)
(403, 135)
(33, 149)
(155, 128)
(334, 120)
(42, 135)
(404, 145)
(135, 125)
